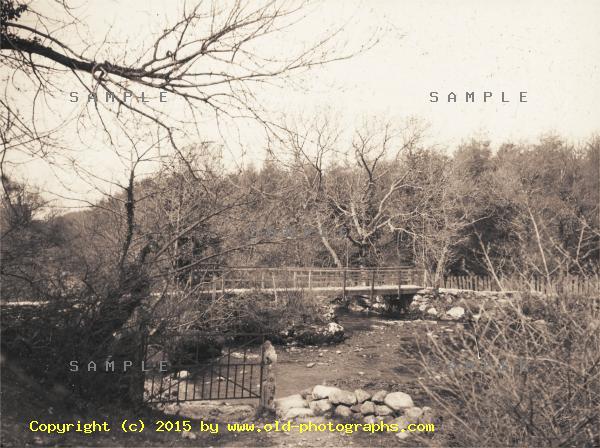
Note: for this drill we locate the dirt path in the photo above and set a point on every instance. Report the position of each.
(370, 358)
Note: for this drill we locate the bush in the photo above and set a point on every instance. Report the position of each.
(254, 313)
(528, 376)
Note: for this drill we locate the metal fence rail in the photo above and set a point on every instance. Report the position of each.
(236, 373)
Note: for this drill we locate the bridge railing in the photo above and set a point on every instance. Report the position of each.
(227, 279)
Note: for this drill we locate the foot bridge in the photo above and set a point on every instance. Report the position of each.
(388, 281)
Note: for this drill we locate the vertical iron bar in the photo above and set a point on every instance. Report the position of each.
(186, 384)
(220, 375)
(210, 384)
(227, 377)
(262, 366)
(194, 389)
(244, 371)
(235, 380)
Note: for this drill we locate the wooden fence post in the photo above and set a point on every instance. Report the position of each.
(214, 287)
(274, 287)
(372, 285)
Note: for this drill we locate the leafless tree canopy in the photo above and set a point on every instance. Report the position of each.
(211, 59)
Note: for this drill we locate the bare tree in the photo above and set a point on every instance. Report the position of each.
(354, 195)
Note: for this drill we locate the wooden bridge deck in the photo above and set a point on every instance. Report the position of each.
(357, 290)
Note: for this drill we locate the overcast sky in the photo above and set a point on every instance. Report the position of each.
(550, 49)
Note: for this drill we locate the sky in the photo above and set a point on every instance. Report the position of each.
(549, 49)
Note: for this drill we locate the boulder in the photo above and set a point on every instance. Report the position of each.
(413, 414)
(361, 395)
(286, 403)
(320, 407)
(188, 435)
(353, 308)
(356, 408)
(379, 306)
(402, 422)
(306, 392)
(398, 400)
(335, 329)
(370, 420)
(294, 413)
(320, 392)
(344, 397)
(403, 435)
(368, 407)
(432, 311)
(383, 410)
(329, 313)
(456, 312)
(343, 411)
(379, 396)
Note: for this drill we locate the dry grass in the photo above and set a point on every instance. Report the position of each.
(526, 375)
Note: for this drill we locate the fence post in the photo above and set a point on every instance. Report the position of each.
(267, 378)
(372, 285)
(214, 287)
(344, 284)
(310, 279)
(274, 287)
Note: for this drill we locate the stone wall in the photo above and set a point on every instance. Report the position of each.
(432, 304)
(359, 406)
(455, 304)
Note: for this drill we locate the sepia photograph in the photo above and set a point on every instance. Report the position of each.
(299, 223)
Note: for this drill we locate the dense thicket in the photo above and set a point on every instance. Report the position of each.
(522, 209)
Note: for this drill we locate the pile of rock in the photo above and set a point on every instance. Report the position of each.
(455, 304)
(362, 304)
(330, 333)
(360, 406)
